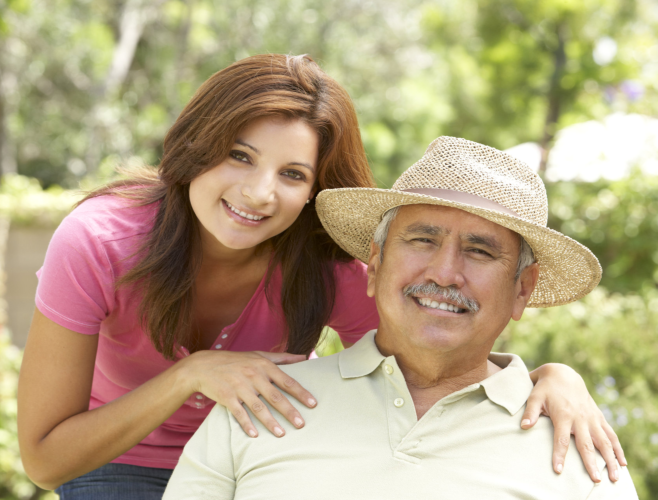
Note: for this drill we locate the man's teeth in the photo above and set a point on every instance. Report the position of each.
(444, 306)
(244, 214)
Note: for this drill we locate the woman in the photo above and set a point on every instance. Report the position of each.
(198, 279)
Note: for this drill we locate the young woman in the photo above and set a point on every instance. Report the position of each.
(165, 293)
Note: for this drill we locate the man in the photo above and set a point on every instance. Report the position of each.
(421, 408)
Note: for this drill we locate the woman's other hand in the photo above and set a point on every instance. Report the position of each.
(561, 394)
(234, 378)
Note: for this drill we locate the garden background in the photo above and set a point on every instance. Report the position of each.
(571, 86)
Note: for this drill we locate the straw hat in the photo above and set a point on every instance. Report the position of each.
(480, 180)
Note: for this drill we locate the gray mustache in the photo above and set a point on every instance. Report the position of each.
(449, 292)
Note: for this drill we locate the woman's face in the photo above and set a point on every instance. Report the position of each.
(262, 186)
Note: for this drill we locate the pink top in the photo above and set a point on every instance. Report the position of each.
(92, 248)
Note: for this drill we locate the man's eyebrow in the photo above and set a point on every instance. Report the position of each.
(478, 239)
(247, 145)
(424, 229)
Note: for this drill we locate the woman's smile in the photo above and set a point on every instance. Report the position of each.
(247, 217)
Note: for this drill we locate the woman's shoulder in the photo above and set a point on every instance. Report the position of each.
(353, 271)
(111, 218)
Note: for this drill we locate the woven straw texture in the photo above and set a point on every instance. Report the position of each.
(567, 269)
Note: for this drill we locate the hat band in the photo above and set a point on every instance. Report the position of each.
(465, 198)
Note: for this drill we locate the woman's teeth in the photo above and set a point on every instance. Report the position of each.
(444, 306)
(244, 214)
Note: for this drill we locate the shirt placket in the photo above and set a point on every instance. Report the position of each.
(400, 410)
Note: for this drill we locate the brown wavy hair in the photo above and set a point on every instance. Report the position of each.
(274, 85)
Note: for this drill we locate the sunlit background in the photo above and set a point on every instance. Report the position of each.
(569, 86)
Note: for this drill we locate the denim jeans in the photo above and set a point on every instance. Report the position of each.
(117, 482)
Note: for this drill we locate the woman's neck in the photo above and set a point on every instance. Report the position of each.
(215, 254)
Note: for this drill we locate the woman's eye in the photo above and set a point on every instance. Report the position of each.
(240, 156)
(293, 174)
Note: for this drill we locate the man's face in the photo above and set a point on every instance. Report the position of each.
(444, 246)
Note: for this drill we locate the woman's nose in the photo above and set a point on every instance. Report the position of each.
(260, 187)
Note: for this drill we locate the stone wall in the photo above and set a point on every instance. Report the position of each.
(25, 251)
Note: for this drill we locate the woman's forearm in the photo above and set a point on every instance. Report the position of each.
(84, 442)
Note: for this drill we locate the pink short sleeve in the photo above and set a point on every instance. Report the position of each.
(76, 282)
(354, 313)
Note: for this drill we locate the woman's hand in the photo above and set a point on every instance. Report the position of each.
(234, 378)
(561, 394)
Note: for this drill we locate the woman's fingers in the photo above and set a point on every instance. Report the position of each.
(561, 442)
(533, 409)
(604, 445)
(292, 387)
(282, 358)
(586, 449)
(616, 445)
(242, 416)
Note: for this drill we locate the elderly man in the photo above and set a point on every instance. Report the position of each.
(421, 408)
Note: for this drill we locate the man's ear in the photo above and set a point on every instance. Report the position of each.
(524, 288)
(373, 267)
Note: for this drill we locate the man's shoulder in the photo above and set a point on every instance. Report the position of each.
(317, 371)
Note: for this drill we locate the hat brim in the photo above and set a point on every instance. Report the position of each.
(567, 270)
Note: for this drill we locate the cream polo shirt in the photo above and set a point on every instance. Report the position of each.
(363, 441)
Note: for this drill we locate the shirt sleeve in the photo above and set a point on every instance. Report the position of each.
(624, 489)
(205, 469)
(76, 282)
(354, 313)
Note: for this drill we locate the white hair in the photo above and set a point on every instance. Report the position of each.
(526, 255)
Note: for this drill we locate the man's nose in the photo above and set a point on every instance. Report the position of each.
(445, 267)
(260, 187)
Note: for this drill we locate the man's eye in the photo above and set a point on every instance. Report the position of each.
(240, 156)
(422, 240)
(480, 251)
(293, 174)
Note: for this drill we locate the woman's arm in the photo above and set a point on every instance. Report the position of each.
(561, 394)
(60, 439)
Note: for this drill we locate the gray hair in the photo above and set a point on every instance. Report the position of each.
(526, 255)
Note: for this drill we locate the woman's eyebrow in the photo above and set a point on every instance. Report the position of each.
(247, 145)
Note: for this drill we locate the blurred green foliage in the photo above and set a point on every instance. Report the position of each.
(618, 221)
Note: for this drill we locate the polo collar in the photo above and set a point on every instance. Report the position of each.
(509, 388)
(361, 359)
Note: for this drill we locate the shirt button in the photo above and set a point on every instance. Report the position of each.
(198, 405)
(398, 402)
(199, 396)
(218, 346)
(388, 369)
(224, 336)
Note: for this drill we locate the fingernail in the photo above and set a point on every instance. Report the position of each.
(525, 421)
(299, 422)
(312, 402)
(253, 433)
(559, 468)
(278, 431)
(597, 476)
(615, 474)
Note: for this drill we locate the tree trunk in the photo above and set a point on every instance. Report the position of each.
(554, 98)
(136, 14)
